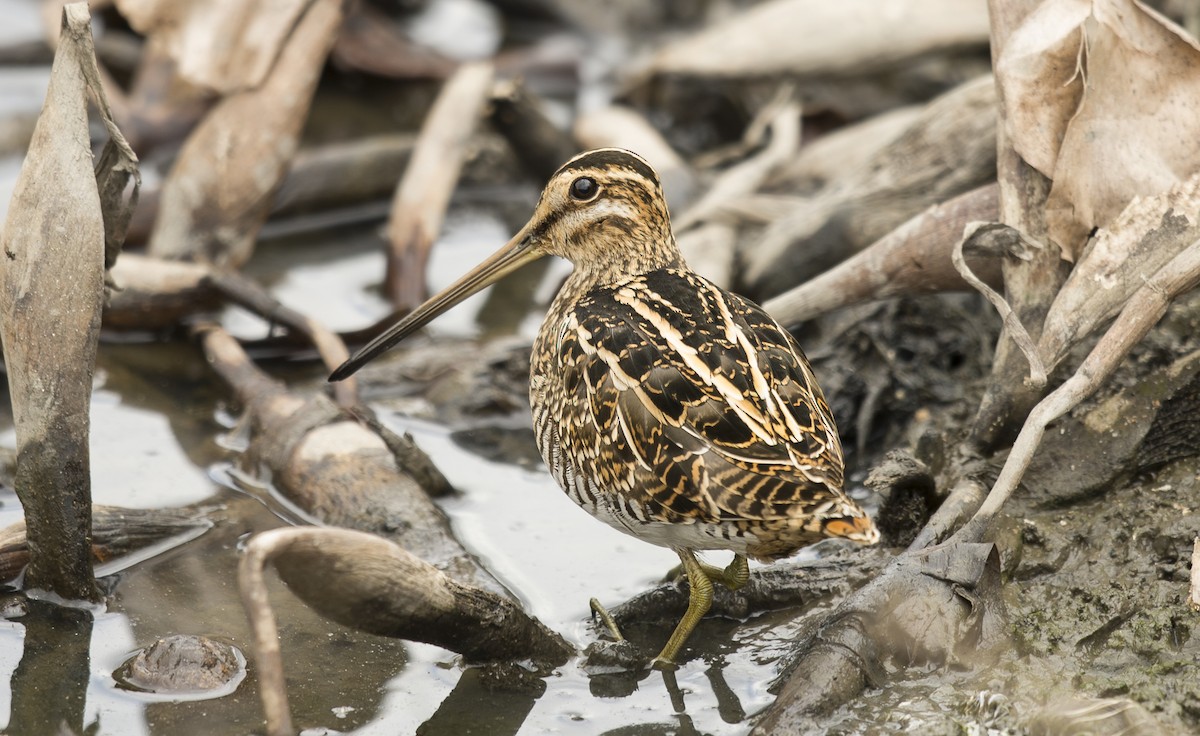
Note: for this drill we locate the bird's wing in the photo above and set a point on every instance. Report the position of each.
(709, 396)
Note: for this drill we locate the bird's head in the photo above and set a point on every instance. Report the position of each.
(603, 210)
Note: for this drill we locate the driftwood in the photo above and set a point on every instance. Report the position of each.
(421, 198)
(915, 258)
(213, 203)
(373, 585)
(116, 533)
(950, 149)
(808, 37)
(62, 218)
(1030, 283)
(827, 158)
(340, 472)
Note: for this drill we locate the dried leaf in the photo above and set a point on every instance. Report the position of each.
(1104, 98)
(223, 45)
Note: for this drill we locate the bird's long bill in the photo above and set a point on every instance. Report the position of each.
(516, 253)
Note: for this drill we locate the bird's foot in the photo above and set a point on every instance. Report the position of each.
(733, 576)
(662, 664)
(600, 612)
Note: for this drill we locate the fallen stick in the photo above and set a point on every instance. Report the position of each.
(116, 533)
(419, 205)
(339, 471)
(370, 584)
(915, 258)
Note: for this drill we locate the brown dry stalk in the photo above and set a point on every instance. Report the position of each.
(419, 205)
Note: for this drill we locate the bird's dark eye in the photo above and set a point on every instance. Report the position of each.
(584, 188)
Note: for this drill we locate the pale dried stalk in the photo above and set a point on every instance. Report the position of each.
(264, 631)
(1143, 310)
(1194, 597)
(248, 293)
(420, 201)
(1012, 323)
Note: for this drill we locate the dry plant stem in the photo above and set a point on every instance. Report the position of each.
(420, 201)
(52, 288)
(249, 294)
(374, 42)
(947, 151)
(798, 37)
(265, 632)
(365, 582)
(705, 236)
(1030, 285)
(220, 189)
(1194, 596)
(116, 532)
(783, 120)
(153, 294)
(1147, 305)
(516, 113)
(1012, 324)
(338, 470)
(912, 259)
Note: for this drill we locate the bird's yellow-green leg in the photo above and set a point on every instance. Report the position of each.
(732, 576)
(699, 601)
(610, 623)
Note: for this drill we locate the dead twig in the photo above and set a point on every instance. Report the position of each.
(248, 293)
(915, 258)
(1143, 310)
(419, 204)
(370, 584)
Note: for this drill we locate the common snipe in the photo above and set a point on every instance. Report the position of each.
(666, 406)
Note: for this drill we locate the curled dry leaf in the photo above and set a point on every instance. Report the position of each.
(1122, 256)
(1104, 99)
(220, 190)
(816, 37)
(52, 287)
(224, 45)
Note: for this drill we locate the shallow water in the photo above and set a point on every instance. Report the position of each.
(160, 432)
